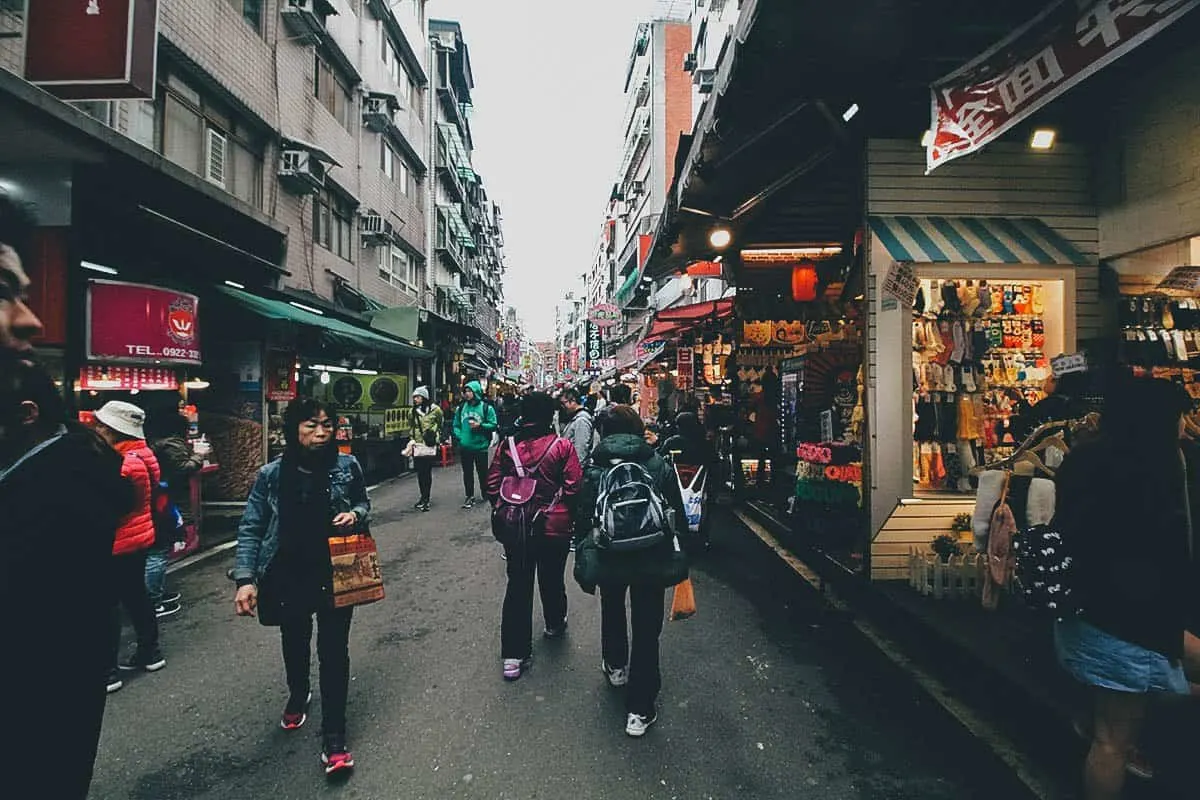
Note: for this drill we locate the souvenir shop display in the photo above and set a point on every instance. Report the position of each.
(1161, 338)
(979, 358)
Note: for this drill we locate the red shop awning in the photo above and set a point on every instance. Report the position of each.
(673, 321)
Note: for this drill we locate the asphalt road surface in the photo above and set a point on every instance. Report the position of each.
(767, 694)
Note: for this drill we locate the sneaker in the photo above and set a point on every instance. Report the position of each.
(636, 724)
(295, 713)
(617, 676)
(469, 503)
(114, 682)
(1139, 767)
(425, 506)
(148, 660)
(170, 597)
(515, 667)
(335, 756)
(417, 505)
(555, 632)
(166, 609)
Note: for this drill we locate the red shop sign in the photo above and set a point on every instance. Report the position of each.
(1058, 49)
(281, 375)
(92, 49)
(134, 323)
(99, 378)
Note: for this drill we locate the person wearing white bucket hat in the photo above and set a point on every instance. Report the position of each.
(122, 426)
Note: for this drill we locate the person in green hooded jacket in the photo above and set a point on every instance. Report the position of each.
(474, 423)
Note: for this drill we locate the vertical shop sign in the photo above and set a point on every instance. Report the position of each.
(247, 359)
(684, 363)
(281, 375)
(1066, 43)
(595, 346)
(900, 286)
(92, 49)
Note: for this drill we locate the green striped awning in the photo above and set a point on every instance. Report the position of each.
(625, 293)
(975, 240)
(458, 224)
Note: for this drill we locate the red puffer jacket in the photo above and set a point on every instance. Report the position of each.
(553, 462)
(136, 529)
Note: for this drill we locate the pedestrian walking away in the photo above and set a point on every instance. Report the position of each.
(167, 431)
(536, 476)
(122, 425)
(631, 554)
(1130, 572)
(474, 423)
(283, 569)
(577, 425)
(62, 494)
(425, 431)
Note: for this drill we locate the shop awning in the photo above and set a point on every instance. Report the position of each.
(674, 321)
(333, 329)
(975, 240)
(458, 225)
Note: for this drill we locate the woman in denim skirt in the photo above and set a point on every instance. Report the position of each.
(1123, 508)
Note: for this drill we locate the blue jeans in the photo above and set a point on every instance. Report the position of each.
(157, 559)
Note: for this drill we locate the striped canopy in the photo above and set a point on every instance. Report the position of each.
(975, 240)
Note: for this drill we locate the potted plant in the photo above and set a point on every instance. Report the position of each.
(945, 546)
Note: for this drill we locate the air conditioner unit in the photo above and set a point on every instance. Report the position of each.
(378, 112)
(689, 62)
(705, 79)
(301, 172)
(373, 228)
(303, 21)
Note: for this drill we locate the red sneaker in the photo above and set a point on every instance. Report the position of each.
(335, 756)
(295, 714)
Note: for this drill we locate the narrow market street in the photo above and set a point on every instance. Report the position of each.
(766, 695)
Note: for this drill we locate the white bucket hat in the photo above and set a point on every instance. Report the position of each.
(123, 418)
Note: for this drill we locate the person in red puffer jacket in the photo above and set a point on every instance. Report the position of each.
(552, 461)
(121, 425)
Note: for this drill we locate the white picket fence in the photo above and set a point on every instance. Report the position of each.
(960, 578)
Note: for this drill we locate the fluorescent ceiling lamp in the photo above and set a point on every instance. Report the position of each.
(365, 371)
(1043, 139)
(309, 309)
(720, 238)
(327, 368)
(926, 139)
(785, 255)
(850, 112)
(98, 268)
(235, 284)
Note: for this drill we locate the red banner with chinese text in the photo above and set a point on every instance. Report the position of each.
(1058, 49)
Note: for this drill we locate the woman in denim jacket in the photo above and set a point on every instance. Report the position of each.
(298, 501)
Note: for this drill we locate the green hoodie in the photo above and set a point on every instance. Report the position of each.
(481, 437)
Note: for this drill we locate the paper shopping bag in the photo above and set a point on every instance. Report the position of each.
(357, 579)
(683, 603)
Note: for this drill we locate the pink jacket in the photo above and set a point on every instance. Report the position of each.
(550, 459)
(136, 529)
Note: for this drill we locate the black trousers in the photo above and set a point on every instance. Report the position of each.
(474, 462)
(424, 476)
(542, 558)
(647, 605)
(333, 656)
(128, 577)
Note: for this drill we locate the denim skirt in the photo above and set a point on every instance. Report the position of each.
(1102, 660)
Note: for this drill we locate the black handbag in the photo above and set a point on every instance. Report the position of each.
(270, 602)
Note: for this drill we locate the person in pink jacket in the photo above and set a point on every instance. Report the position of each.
(542, 555)
(121, 425)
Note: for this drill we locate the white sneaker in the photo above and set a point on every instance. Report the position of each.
(618, 676)
(636, 724)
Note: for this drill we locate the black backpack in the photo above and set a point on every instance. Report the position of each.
(631, 513)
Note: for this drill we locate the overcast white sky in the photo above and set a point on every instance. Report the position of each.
(548, 102)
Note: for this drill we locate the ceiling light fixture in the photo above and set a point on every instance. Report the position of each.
(364, 371)
(309, 309)
(98, 268)
(196, 383)
(850, 112)
(328, 368)
(235, 284)
(720, 237)
(1043, 139)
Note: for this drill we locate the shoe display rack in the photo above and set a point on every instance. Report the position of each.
(979, 356)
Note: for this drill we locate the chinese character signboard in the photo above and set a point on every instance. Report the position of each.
(573, 360)
(94, 377)
(684, 364)
(604, 315)
(595, 346)
(900, 285)
(281, 375)
(134, 323)
(1069, 41)
(92, 49)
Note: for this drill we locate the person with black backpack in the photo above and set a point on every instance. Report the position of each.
(532, 485)
(632, 545)
(167, 430)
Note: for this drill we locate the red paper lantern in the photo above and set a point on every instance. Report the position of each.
(804, 282)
